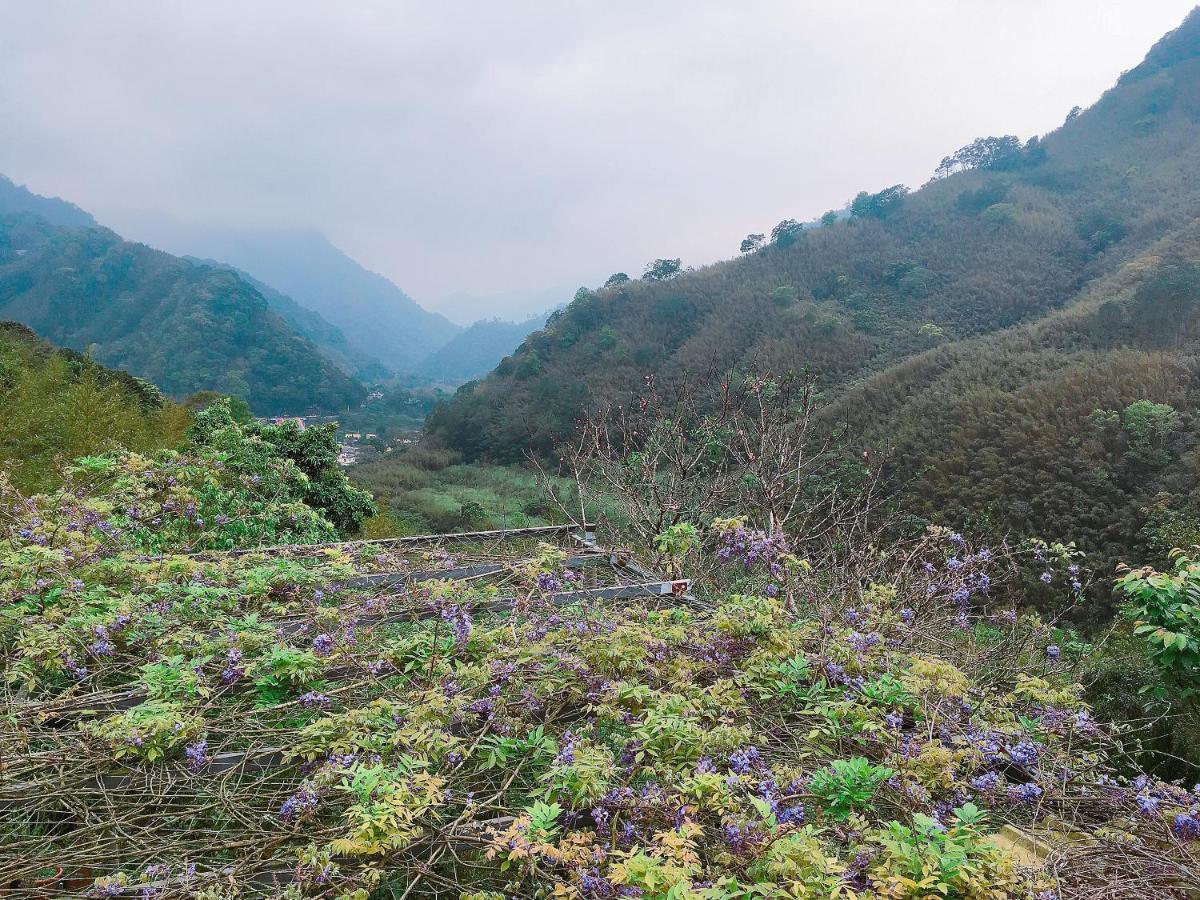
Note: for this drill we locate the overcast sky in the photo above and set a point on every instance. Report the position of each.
(498, 147)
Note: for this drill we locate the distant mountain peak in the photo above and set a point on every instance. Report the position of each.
(16, 198)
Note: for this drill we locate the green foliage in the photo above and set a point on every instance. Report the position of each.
(662, 270)
(752, 242)
(59, 405)
(848, 784)
(786, 233)
(878, 206)
(983, 153)
(1165, 607)
(929, 859)
(691, 752)
(149, 731)
(1150, 426)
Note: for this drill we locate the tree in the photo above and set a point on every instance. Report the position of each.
(753, 242)
(878, 206)
(784, 295)
(1150, 426)
(313, 451)
(662, 269)
(829, 217)
(238, 408)
(982, 153)
(786, 233)
(616, 279)
(749, 446)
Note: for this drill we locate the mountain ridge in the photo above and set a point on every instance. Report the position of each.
(302, 263)
(921, 299)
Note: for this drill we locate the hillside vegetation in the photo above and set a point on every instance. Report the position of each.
(477, 349)
(1006, 337)
(58, 405)
(376, 316)
(184, 327)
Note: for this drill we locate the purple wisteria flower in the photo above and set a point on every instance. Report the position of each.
(566, 755)
(1023, 754)
(233, 670)
(1187, 826)
(986, 782)
(1147, 804)
(1046, 577)
(460, 621)
(746, 759)
(1053, 652)
(322, 645)
(303, 801)
(314, 699)
(1025, 793)
(197, 754)
(547, 583)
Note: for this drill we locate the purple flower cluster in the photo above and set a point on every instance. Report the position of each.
(754, 549)
(197, 754)
(1187, 826)
(102, 645)
(1024, 754)
(745, 760)
(566, 755)
(741, 839)
(322, 645)
(1025, 793)
(460, 622)
(986, 782)
(547, 583)
(299, 804)
(233, 670)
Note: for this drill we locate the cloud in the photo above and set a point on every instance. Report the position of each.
(501, 147)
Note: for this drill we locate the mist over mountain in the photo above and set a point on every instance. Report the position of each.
(477, 349)
(374, 314)
(15, 198)
(512, 306)
(312, 325)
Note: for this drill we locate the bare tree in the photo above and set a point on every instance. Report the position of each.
(748, 445)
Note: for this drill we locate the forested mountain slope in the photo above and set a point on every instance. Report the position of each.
(975, 324)
(182, 326)
(312, 325)
(477, 349)
(372, 312)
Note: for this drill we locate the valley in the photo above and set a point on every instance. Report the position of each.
(861, 563)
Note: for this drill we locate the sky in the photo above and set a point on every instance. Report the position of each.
(494, 149)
